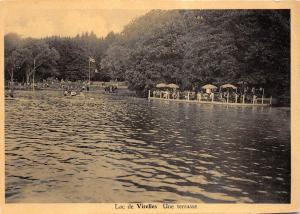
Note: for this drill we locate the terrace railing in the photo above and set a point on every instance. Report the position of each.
(213, 97)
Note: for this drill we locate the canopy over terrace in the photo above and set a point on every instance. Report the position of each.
(173, 86)
(209, 88)
(161, 85)
(228, 86)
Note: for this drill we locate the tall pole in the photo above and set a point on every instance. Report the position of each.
(33, 74)
(89, 73)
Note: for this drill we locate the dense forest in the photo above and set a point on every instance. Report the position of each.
(187, 47)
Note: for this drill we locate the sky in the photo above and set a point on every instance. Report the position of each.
(39, 23)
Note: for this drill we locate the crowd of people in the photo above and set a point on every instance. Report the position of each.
(68, 87)
(239, 95)
(111, 89)
(166, 94)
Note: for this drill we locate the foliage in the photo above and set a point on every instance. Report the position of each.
(195, 47)
(187, 47)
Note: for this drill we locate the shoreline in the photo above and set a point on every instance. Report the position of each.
(211, 103)
(121, 91)
(127, 93)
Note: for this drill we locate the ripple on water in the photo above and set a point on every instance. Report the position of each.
(74, 150)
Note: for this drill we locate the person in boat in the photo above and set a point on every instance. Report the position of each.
(73, 93)
(66, 93)
(114, 89)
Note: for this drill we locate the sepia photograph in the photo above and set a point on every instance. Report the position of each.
(147, 106)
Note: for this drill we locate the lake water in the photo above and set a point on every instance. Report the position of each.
(102, 148)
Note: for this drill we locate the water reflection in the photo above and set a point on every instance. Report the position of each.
(107, 149)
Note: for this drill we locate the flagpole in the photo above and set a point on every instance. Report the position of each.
(90, 60)
(89, 73)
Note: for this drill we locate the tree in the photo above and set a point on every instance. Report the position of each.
(195, 47)
(36, 56)
(12, 41)
(115, 62)
(187, 47)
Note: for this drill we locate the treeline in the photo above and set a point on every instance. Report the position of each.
(59, 57)
(186, 47)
